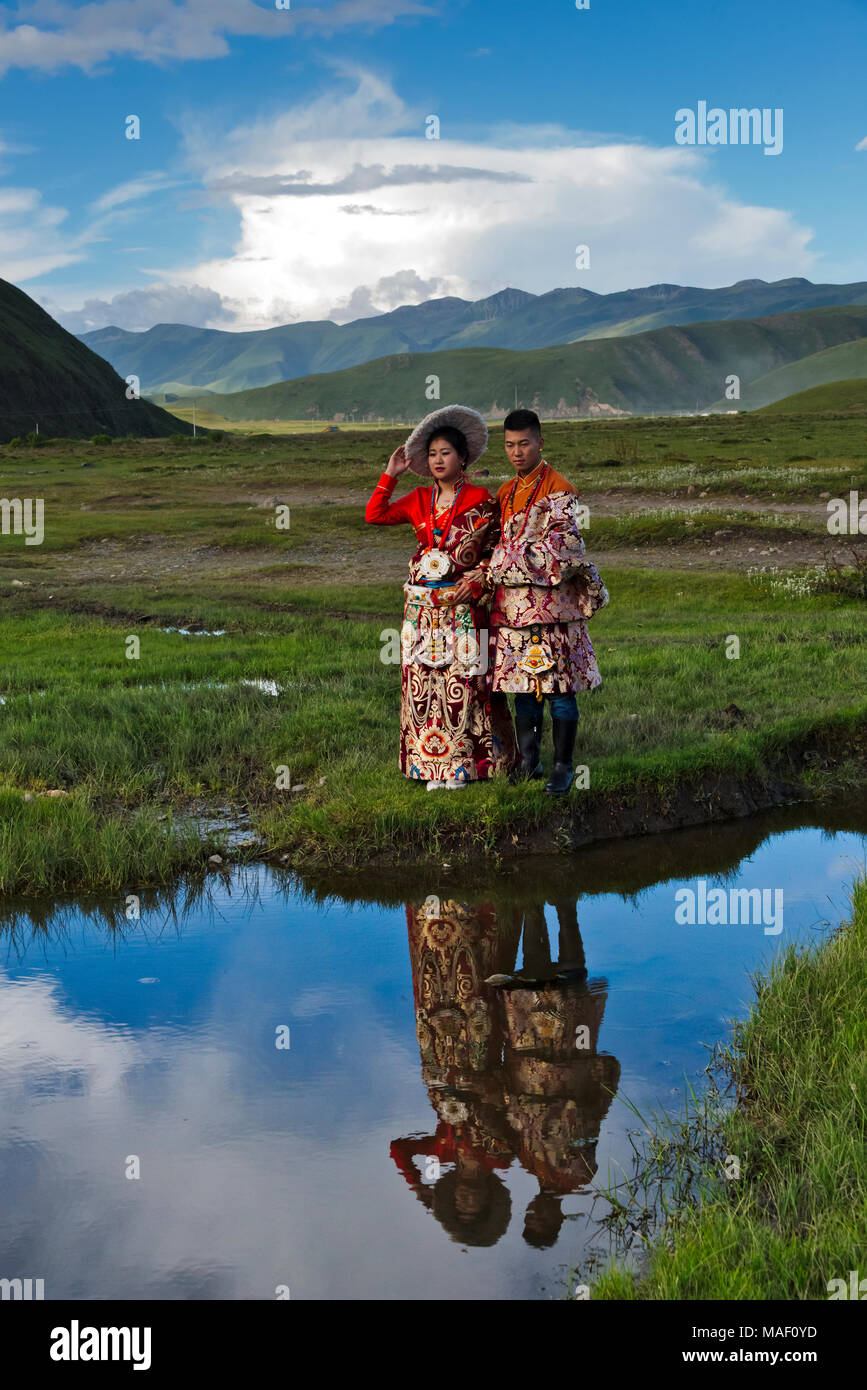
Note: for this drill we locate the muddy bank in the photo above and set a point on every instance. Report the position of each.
(805, 772)
(817, 767)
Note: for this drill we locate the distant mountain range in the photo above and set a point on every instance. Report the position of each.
(50, 379)
(669, 370)
(173, 358)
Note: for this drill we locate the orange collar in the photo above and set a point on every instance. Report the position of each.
(528, 479)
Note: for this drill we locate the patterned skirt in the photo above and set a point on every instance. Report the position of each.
(451, 723)
(554, 658)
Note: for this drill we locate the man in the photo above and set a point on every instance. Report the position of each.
(543, 591)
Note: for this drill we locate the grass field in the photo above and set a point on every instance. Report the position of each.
(146, 536)
(792, 1219)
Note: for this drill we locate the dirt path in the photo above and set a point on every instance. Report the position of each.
(153, 560)
(163, 561)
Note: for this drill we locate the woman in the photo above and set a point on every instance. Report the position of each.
(451, 731)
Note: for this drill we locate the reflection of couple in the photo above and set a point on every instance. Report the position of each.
(513, 1073)
(514, 564)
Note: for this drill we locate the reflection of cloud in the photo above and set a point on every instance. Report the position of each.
(242, 1148)
(38, 1038)
(846, 869)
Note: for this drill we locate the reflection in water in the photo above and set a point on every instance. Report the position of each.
(512, 1068)
(264, 1167)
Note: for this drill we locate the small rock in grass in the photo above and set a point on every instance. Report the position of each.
(19, 583)
(28, 796)
(299, 787)
(322, 781)
(56, 791)
(216, 860)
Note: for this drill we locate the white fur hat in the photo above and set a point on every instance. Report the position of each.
(461, 417)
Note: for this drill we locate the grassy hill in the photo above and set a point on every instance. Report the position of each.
(838, 397)
(170, 355)
(843, 362)
(48, 377)
(667, 370)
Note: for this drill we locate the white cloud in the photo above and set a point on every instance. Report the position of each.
(35, 237)
(51, 34)
(138, 310)
(31, 240)
(451, 217)
(469, 217)
(132, 190)
(862, 144)
(389, 292)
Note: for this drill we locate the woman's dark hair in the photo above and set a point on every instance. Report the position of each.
(453, 436)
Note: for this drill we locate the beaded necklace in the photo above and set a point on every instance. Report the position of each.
(438, 531)
(511, 498)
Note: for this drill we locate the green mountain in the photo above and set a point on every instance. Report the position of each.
(171, 355)
(840, 397)
(843, 362)
(664, 371)
(48, 377)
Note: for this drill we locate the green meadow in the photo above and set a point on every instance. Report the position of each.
(790, 1219)
(705, 530)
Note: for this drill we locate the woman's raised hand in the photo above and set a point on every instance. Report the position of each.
(398, 463)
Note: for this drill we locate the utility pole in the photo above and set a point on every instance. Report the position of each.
(516, 398)
(194, 419)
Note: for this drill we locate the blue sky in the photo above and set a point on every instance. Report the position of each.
(283, 172)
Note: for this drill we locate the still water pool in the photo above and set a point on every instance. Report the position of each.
(320, 1093)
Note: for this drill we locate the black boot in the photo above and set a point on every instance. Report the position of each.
(528, 731)
(564, 742)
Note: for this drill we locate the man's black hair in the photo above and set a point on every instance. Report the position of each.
(453, 436)
(523, 420)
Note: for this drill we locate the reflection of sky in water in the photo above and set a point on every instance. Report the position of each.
(263, 1167)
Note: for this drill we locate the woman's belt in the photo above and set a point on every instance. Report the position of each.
(426, 594)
